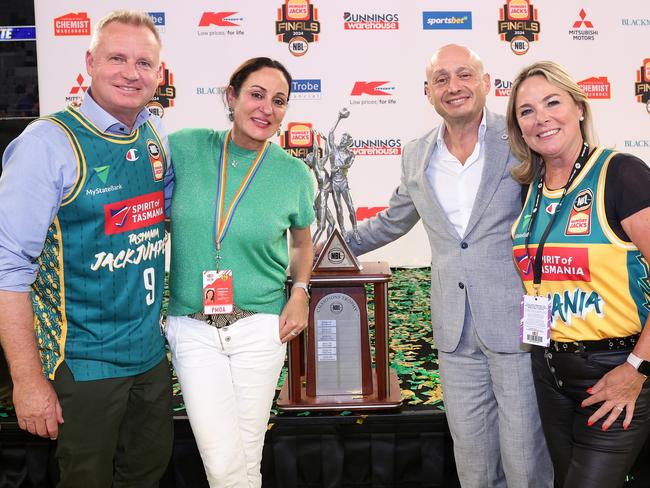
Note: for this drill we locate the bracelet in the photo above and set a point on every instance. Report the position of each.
(303, 286)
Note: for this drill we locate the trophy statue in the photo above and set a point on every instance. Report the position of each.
(316, 162)
(341, 159)
(330, 367)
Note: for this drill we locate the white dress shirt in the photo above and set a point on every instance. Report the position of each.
(455, 184)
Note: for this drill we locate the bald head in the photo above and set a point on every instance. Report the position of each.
(457, 85)
(456, 51)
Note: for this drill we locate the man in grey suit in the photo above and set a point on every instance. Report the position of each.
(457, 180)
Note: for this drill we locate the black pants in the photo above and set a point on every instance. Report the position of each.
(583, 456)
(118, 432)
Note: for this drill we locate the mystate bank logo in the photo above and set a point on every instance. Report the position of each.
(518, 25)
(297, 25)
(297, 140)
(642, 85)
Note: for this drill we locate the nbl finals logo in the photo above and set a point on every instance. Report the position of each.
(518, 25)
(642, 85)
(297, 25)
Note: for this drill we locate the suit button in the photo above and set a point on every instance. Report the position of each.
(464, 245)
(461, 285)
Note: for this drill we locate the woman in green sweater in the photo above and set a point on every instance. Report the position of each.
(236, 196)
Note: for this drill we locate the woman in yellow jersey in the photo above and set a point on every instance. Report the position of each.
(236, 198)
(581, 244)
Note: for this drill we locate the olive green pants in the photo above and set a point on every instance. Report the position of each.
(118, 432)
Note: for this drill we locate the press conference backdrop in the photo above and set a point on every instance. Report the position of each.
(369, 57)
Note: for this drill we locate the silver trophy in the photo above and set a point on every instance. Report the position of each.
(335, 183)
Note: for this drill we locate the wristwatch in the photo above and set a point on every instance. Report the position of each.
(639, 364)
(304, 286)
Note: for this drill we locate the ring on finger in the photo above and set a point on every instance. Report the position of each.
(619, 408)
(293, 333)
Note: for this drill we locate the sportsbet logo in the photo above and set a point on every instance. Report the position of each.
(134, 213)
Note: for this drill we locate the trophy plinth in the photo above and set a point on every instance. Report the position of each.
(330, 364)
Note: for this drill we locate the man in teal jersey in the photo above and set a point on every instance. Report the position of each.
(82, 265)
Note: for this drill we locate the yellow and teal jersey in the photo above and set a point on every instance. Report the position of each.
(98, 291)
(597, 283)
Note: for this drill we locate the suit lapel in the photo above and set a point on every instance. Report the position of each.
(426, 148)
(496, 158)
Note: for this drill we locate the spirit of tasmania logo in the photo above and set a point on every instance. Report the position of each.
(165, 94)
(72, 25)
(297, 140)
(558, 263)
(596, 87)
(297, 25)
(134, 213)
(518, 25)
(642, 85)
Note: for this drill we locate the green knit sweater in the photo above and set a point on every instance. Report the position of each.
(255, 248)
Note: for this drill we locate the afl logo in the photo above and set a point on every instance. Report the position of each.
(583, 200)
(132, 155)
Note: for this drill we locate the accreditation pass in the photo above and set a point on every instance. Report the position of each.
(535, 320)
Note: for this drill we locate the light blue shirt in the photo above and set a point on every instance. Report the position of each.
(38, 169)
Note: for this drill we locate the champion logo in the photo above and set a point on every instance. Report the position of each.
(132, 155)
(119, 215)
(587, 23)
(551, 208)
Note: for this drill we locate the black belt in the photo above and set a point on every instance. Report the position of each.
(221, 320)
(613, 344)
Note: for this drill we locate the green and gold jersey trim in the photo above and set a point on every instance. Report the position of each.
(48, 301)
(115, 138)
(79, 156)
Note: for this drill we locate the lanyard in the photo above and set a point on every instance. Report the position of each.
(537, 263)
(224, 219)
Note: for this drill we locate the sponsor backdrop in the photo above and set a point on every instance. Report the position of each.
(369, 57)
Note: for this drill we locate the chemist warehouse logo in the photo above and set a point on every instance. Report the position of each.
(297, 25)
(353, 21)
(377, 147)
(134, 213)
(72, 25)
(642, 85)
(297, 140)
(596, 87)
(518, 25)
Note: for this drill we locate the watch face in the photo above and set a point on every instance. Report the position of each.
(644, 368)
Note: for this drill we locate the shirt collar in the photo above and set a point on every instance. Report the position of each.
(481, 131)
(105, 121)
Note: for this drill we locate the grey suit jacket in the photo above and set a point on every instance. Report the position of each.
(477, 269)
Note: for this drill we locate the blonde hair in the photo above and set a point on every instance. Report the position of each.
(556, 75)
(128, 17)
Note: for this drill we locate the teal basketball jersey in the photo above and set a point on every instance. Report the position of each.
(98, 291)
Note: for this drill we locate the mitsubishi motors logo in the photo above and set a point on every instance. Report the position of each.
(587, 23)
(583, 29)
(80, 87)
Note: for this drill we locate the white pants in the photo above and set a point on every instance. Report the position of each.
(228, 378)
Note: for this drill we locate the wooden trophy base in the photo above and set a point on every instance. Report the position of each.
(343, 402)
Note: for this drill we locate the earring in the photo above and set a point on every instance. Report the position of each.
(231, 115)
(582, 118)
(279, 130)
